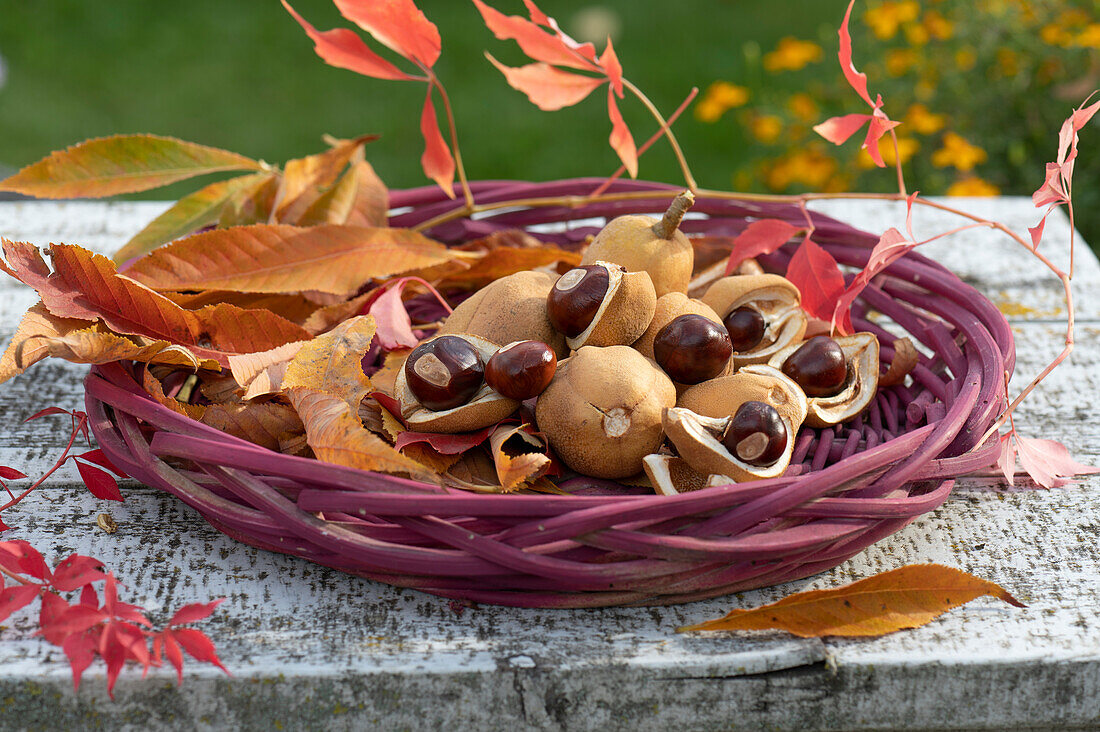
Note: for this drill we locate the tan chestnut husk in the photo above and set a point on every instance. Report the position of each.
(602, 411)
(722, 397)
(486, 407)
(625, 313)
(698, 441)
(512, 308)
(646, 244)
(861, 351)
(774, 297)
(671, 475)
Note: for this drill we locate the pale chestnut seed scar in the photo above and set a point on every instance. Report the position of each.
(778, 396)
(570, 279)
(752, 446)
(432, 370)
(616, 422)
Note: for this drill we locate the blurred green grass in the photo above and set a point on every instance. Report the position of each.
(243, 76)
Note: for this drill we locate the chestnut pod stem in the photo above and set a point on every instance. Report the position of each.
(670, 222)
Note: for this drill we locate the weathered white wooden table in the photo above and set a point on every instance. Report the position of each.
(311, 647)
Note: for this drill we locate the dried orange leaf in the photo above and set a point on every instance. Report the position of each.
(30, 343)
(332, 363)
(359, 198)
(503, 261)
(325, 318)
(247, 368)
(108, 166)
(908, 597)
(303, 179)
(295, 308)
(155, 389)
(268, 424)
(906, 358)
(189, 214)
(279, 258)
(336, 435)
(519, 456)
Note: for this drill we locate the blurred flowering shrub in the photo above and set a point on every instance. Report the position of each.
(980, 86)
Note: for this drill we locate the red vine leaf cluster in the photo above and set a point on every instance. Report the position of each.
(84, 627)
(1057, 188)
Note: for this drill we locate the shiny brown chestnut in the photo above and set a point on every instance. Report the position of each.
(746, 327)
(818, 366)
(692, 348)
(756, 434)
(521, 370)
(576, 297)
(444, 373)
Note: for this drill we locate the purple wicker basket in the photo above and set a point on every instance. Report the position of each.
(848, 486)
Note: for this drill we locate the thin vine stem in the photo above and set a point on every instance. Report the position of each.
(689, 179)
(60, 461)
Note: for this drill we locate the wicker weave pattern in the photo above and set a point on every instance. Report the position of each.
(848, 486)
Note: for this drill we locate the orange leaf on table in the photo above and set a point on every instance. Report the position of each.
(547, 87)
(86, 286)
(817, 276)
(189, 214)
(359, 198)
(398, 25)
(279, 258)
(108, 166)
(344, 49)
(437, 161)
(332, 363)
(908, 597)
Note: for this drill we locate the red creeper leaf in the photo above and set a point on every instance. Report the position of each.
(73, 619)
(398, 25)
(80, 649)
(10, 473)
(1006, 460)
(535, 42)
(891, 246)
(759, 237)
(547, 87)
(47, 412)
(856, 79)
(436, 161)
(53, 606)
(19, 557)
(96, 456)
(1046, 461)
(76, 571)
(609, 62)
(101, 484)
(879, 126)
(198, 645)
(392, 323)
(194, 612)
(816, 275)
(447, 444)
(171, 651)
(622, 142)
(88, 596)
(837, 130)
(343, 49)
(14, 598)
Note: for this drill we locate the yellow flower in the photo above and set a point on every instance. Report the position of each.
(1089, 37)
(907, 148)
(919, 119)
(973, 186)
(803, 106)
(1008, 62)
(958, 153)
(965, 58)
(900, 60)
(938, 26)
(1055, 35)
(792, 54)
(885, 19)
(810, 167)
(766, 128)
(720, 97)
(917, 35)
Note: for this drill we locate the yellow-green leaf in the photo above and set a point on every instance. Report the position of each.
(108, 166)
(908, 597)
(332, 363)
(190, 213)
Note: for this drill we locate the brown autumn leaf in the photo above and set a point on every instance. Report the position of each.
(385, 378)
(41, 335)
(86, 286)
(295, 308)
(267, 424)
(252, 204)
(327, 317)
(332, 363)
(503, 261)
(188, 214)
(328, 259)
(303, 179)
(155, 389)
(336, 435)
(519, 455)
(906, 358)
(108, 166)
(908, 597)
(359, 198)
(262, 373)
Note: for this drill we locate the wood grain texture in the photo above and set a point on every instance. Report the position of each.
(311, 647)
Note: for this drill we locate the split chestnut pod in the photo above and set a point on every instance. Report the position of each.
(758, 403)
(748, 303)
(521, 370)
(861, 359)
(602, 411)
(482, 408)
(645, 244)
(509, 309)
(601, 304)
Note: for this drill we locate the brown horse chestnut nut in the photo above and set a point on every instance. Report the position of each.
(521, 370)
(444, 373)
(576, 297)
(756, 435)
(746, 328)
(692, 348)
(818, 366)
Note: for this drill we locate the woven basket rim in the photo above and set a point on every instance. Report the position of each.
(551, 550)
